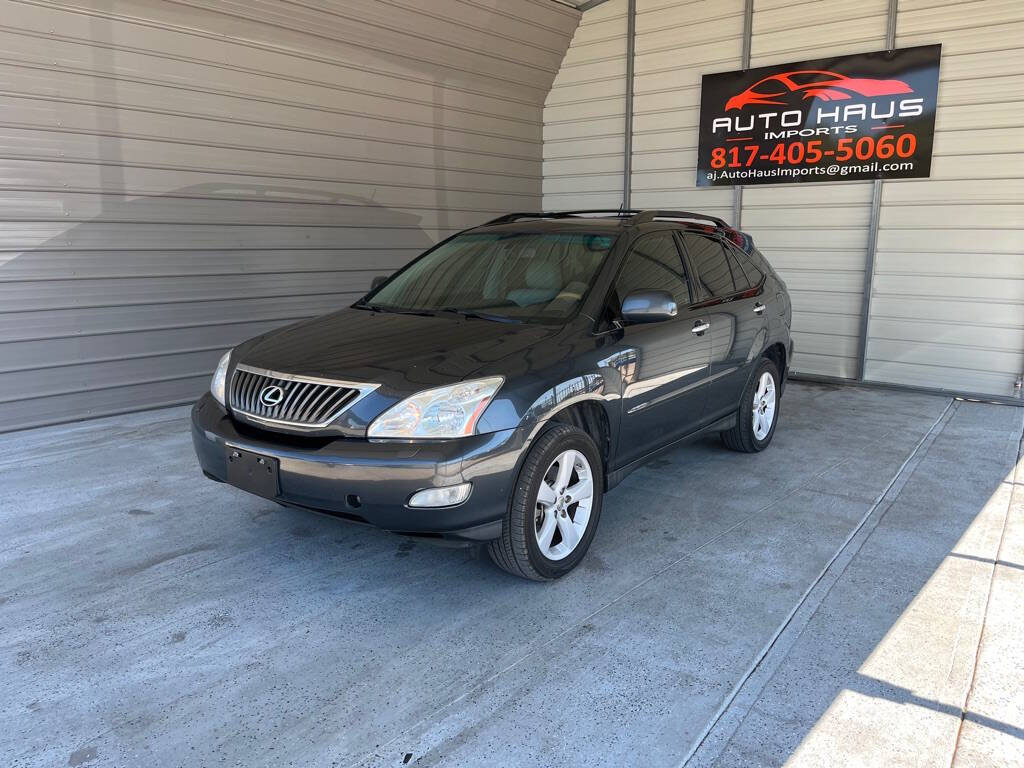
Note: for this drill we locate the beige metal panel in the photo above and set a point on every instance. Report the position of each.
(827, 365)
(571, 130)
(583, 183)
(978, 142)
(950, 333)
(537, 27)
(175, 177)
(80, 350)
(977, 66)
(124, 292)
(954, 378)
(947, 287)
(585, 109)
(963, 217)
(943, 17)
(948, 303)
(816, 235)
(587, 165)
(938, 191)
(717, 202)
(151, 393)
(833, 39)
(44, 146)
(584, 116)
(333, 32)
(1006, 238)
(387, 197)
(714, 56)
(232, 207)
(70, 264)
(580, 93)
(828, 323)
(778, 17)
(103, 374)
(328, 85)
(56, 98)
(113, 321)
(966, 39)
(571, 149)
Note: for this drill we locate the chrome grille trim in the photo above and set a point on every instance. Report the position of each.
(307, 402)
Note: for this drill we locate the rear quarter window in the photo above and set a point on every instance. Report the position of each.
(707, 255)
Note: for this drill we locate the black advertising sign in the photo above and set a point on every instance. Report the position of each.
(868, 116)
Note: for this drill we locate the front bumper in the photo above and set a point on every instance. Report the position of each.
(371, 481)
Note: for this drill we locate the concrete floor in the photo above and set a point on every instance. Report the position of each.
(850, 597)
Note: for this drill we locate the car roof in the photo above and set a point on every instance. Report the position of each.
(604, 220)
(540, 224)
(615, 221)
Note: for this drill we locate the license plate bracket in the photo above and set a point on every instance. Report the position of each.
(253, 472)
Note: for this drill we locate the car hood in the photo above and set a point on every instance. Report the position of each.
(402, 353)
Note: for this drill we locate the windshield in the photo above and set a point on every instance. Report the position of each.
(519, 276)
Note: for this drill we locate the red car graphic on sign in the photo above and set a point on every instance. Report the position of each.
(806, 84)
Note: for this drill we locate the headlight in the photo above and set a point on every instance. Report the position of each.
(443, 412)
(220, 377)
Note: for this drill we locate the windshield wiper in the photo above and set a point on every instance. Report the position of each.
(393, 310)
(479, 315)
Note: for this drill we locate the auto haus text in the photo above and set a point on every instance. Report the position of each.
(828, 119)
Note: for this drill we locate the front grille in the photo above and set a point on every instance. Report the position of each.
(268, 396)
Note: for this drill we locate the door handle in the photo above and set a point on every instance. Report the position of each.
(699, 327)
(758, 308)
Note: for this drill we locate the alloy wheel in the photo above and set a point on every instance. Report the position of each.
(564, 501)
(764, 406)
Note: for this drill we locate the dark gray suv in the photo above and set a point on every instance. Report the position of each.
(497, 386)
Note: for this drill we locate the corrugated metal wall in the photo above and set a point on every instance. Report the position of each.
(676, 42)
(583, 137)
(178, 176)
(947, 306)
(948, 303)
(816, 235)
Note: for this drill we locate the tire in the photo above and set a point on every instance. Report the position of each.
(529, 522)
(749, 435)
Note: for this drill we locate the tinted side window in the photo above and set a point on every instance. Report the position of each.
(708, 258)
(754, 275)
(738, 277)
(654, 263)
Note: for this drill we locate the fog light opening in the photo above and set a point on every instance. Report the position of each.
(353, 501)
(448, 496)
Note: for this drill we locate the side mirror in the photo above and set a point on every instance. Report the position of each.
(649, 307)
(378, 281)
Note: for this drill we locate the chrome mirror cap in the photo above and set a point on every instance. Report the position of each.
(649, 307)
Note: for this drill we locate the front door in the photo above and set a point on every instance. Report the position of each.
(665, 383)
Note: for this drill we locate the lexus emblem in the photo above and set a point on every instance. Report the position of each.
(272, 395)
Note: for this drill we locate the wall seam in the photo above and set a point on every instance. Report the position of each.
(748, 35)
(876, 212)
(627, 143)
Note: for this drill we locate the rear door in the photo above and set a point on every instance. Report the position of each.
(731, 297)
(664, 394)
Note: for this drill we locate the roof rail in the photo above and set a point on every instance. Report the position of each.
(510, 217)
(647, 216)
(634, 216)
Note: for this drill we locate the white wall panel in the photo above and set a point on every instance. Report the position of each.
(177, 177)
(948, 305)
